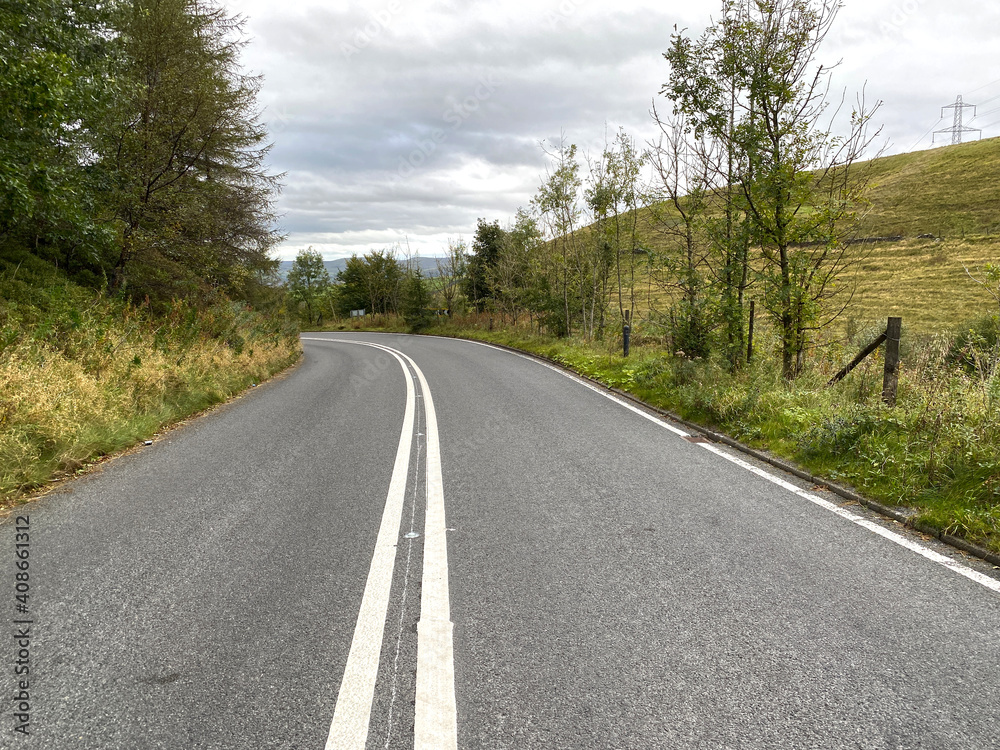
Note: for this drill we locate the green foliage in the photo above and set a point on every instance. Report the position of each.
(750, 88)
(54, 87)
(416, 301)
(309, 283)
(192, 197)
(486, 249)
(371, 282)
(130, 151)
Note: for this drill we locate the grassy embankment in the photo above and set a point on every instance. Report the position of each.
(83, 376)
(938, 451)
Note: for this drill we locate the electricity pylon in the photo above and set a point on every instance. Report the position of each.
(958, 128)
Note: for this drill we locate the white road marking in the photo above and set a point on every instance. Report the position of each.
(902, 541)
(352, 715)
(435, 720)
(913, 546)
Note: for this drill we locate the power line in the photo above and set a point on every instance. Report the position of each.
(981, 115)
(985, 86)
(917, 142)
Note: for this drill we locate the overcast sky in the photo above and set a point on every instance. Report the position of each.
(402, 121)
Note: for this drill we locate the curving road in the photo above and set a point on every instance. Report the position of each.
(411, 542)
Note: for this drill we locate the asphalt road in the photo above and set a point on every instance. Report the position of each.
(282, 574)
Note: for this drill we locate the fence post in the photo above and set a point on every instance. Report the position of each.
(627, 331)
(750, 335)
(890, 379)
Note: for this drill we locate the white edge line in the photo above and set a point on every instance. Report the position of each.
(352, 714)
(902, 541)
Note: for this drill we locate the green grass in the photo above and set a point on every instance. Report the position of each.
(950, 192)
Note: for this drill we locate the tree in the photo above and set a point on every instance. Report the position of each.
(309, 282)
(557, 202)
(371, 282)
(614, 196)
(682, 194)
(752, 82)
(193, 200)
(510, 276)
(55, 83)
(486, 247)
(416, 299)
(451, 272)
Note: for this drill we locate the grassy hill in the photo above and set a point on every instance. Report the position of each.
(950, 192)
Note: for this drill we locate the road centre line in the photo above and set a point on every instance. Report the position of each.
(352, 715)
(953, 565)
(435, 713)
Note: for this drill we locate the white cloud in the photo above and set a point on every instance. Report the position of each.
(409, 119)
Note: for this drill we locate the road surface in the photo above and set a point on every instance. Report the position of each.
(411, 542)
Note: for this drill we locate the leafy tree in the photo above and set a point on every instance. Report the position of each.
(682, 191)
(309, 283)
(55, 82)
(557, 202)
(486, 246)
(451, 272)
(510, 278)
(371, 282)
(416, 299)
(752, 83)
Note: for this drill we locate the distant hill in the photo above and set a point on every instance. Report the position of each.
(427, 265)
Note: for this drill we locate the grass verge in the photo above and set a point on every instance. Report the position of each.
(83, 376)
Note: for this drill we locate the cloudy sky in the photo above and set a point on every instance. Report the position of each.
(403, 121)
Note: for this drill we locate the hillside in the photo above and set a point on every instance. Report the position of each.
(951, 193)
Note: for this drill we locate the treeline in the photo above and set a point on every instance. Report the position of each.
(380, 283)
(131, 153)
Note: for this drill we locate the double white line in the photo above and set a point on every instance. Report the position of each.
(435, 725)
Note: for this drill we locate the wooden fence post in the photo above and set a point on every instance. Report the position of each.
(627, 332)
(890, 379)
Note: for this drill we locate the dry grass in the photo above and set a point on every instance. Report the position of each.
(82, 376)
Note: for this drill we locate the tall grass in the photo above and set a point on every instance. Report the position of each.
(82, 375)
